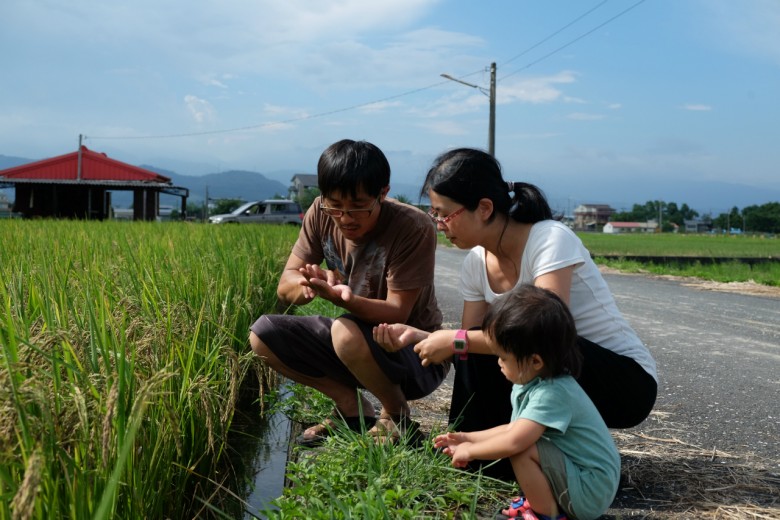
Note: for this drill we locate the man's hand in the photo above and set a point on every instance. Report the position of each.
(324, 283)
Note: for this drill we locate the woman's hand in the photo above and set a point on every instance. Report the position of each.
(436, 348)
(395, 336)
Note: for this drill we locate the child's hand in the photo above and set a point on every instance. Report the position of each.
(460, 454)
(449, 439)
(454, 445)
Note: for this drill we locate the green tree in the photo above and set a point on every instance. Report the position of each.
(222, 206)
(728, 221)
(762, 219)
(307, 198)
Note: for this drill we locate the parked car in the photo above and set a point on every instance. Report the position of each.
(277, 211)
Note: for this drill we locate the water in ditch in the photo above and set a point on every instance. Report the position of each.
(257, 457)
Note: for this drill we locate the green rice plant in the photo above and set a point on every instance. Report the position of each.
(122, 350)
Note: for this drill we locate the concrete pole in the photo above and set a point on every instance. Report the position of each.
(492, 128)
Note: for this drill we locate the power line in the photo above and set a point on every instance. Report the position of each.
(396, 96)
(532, 47)
(272, 123)
(578, 38)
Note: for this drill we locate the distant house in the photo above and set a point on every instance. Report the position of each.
(79, 185)
(697, 226)
(300, 182)
(591, 217)
(631, 227)
(5, 206)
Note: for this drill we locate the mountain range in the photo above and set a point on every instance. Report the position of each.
(706, 197)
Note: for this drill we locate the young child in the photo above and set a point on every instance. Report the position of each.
(562, 453)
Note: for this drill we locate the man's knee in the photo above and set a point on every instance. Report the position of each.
(348, 340)
(258, 347)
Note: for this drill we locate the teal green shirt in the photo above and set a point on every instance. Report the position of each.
(575, 426)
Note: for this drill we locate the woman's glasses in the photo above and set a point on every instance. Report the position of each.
(443, 220)
(357, 214)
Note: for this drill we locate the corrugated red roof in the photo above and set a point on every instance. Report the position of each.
(95, 166)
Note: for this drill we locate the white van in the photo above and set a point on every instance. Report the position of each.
(276, 211)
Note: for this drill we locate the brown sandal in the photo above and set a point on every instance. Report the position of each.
(393, 428)
(319, 432)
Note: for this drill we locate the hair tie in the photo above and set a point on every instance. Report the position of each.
(510, 186)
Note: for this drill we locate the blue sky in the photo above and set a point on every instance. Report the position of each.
(616, 92)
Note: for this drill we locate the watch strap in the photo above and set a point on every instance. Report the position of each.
(461, 336)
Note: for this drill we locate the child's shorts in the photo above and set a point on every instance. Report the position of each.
(553, 463)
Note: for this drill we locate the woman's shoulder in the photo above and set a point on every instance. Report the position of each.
(551, 225)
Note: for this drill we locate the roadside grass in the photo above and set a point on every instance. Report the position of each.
(122, 350)
(765, 274)
(353, 476)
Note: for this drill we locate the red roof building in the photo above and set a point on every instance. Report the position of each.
(79, 185)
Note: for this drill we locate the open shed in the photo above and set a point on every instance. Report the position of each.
(79, 185)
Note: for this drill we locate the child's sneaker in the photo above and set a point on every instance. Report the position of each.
(516, 509)
(520, 508)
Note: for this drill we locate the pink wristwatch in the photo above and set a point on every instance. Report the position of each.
(460, 345)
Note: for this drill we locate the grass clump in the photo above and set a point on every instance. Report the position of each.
(353, 476)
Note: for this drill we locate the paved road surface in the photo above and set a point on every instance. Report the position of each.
(718, 357)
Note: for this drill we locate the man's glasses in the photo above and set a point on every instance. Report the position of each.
(357, 214)
(443, 220)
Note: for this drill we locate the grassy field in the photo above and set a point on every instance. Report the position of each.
(699, 246)
(674, 244)
(122, 350)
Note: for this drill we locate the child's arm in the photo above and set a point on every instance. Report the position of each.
(505, 441)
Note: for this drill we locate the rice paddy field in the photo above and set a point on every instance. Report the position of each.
(123, 347)
(740, 258)
(123, 354)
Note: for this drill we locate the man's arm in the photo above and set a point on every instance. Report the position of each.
(290, 289)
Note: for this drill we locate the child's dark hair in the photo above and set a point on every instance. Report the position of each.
(347, 166)
(530, 320)
(467, 175)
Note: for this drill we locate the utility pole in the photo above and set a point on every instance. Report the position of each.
(78, 163)
(492, 126)
(491, 93)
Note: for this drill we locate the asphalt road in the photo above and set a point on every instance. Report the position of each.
(718, 357)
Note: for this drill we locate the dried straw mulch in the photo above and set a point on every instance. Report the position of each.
(666, 478)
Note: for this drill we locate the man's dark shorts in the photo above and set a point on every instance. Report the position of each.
(303, 343)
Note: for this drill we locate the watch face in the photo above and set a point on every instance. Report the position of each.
(459, 345)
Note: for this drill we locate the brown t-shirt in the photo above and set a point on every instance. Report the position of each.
(398, 254)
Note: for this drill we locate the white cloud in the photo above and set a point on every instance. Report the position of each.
(201, 110)
(582, 116)
(541, 89)
(697, 107)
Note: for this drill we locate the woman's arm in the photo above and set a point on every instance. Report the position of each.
(558, 281)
